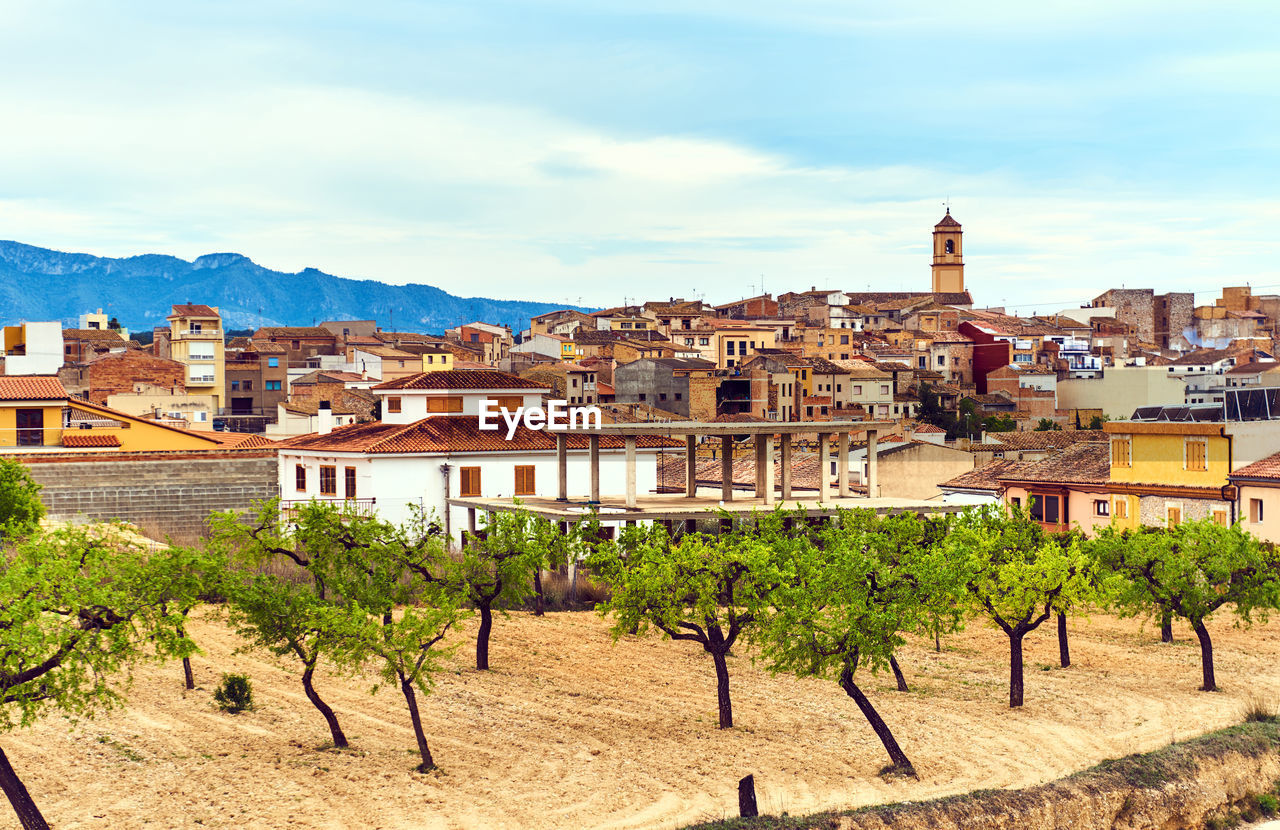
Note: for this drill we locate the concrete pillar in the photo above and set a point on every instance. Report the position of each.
(842, 464)
(757, 444)
(690, 465)
(768, 467)
(785, 438)
(593, 447)
(562, 464)
(873, 473)
(824, 468)
(630, 442)
(471, 519)
(726, 467)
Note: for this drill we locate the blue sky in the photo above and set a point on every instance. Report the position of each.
(598, 151)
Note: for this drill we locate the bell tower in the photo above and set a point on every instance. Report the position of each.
(948, 262)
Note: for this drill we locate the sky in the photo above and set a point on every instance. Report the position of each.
(598, 152)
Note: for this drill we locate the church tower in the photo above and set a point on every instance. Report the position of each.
(948, 263)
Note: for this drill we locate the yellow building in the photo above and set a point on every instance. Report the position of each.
(37, 414)
(1165, 472)
(948, 259)
(437, 360)
(196, 340)
(569, 351)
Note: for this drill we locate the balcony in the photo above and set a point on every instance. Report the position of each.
(364, 507)
(200, 334)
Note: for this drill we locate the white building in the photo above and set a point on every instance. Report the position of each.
(32, 349)
(430, 447)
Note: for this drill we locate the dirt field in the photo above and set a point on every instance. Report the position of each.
(570, 730)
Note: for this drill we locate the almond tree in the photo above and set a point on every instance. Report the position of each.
(1016, 576)
(77, 611)
(842, 605)
(701, 589)
(1191, 571)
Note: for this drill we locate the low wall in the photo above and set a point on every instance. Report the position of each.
(164, 493)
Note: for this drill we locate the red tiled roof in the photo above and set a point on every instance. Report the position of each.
(92, 334)
(236, 440)
(31, 388)
(1087, 463)
(267, 332)
(78, 440)
(1267, 468)
(454, 433)
(462, 379)
(196, 310)
(947, 221)
(1049, 439)
(926, 429)
(986, 477)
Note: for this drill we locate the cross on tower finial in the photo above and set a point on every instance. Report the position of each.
(947, 204)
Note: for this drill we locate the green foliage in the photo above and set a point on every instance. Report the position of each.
(234, 694)
(20, 505)
(78, 608)
(1268, 804)
(1097, 421)
(497, 566)
(1048, 425)
(999, 423)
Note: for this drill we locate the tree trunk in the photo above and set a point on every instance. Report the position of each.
(897, 674)
(28, 814)
(187, 673)
(1206, 657)
(482, 638)
(539, 602)
(937, 641)
(722, 689)
(339, 739)
(1166, 627)
(1064, 649)
(747, 797)
(428, 763)
(1015, 669)
(896, 755)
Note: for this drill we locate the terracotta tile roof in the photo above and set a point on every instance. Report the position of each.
(264, 347)
(1086, 463)
(471, 365)
(267, 332)
(454, 433)
(947, 221)
(78, 440)
(310, 407)
(92, 334)
(603, 388)
(236, 440)
(985, 477)
(31, 388)
(387, 352)
(1051, 439)
(194, 310)
(929, 429)
(1203, 357)
(1267, 469)
(462, 379)
(1254, 367)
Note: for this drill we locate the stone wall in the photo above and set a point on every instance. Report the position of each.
(164, 493)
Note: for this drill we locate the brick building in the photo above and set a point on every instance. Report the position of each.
(119, 373)
(300, 342)
(1161, 319)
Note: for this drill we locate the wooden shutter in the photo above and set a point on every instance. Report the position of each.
(444, 404)
(469, 484)
(300, 477)
(351, 482)
(524, 480)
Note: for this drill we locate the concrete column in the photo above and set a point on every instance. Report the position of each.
(630, 442)
(786, 465)
(757, 444)
(824, 468)
(593, 447)
(873, 476)
(842, 464)
(690, 465)
(768, 467)
(471, 519)
(562, 464)
(726, 467)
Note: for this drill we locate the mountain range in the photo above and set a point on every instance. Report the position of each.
(42, 284)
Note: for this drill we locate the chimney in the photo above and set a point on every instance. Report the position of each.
(324, 417)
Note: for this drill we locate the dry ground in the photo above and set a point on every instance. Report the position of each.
(570, 730)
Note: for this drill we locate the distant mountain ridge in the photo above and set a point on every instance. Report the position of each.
(42, 284)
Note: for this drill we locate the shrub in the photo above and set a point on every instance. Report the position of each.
(1268, 804)
(1260, 710)
(234, 694)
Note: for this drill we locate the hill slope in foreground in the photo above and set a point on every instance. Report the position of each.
(570, 730)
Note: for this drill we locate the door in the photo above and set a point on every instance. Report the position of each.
(30, 423)
(242, 406)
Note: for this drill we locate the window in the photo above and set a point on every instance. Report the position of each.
(508, 403)
(662, 396)
(273, 386)
(1173, 514)
(1121, 452)
(642, 397)
(393, 404)
(884, 389)
(235, 386)
(1047, 509)
(444, 404)
(1101, 507)
(248, 385)
(350, 482)
(1194, 454)
(844, 340)
(524, 480)
(942, 360)
(1121, 506)
(273, 362)
(468, 481)
(1220, 517)
(328, 481)
(679, 396)
(300, 478)
(704, 341)
(951, 246)
(857, 389)
(1255, 511)
(729, 347)
(293, 344)
(1016, 501)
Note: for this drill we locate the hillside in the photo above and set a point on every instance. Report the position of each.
(572, 731)
(41, 284)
